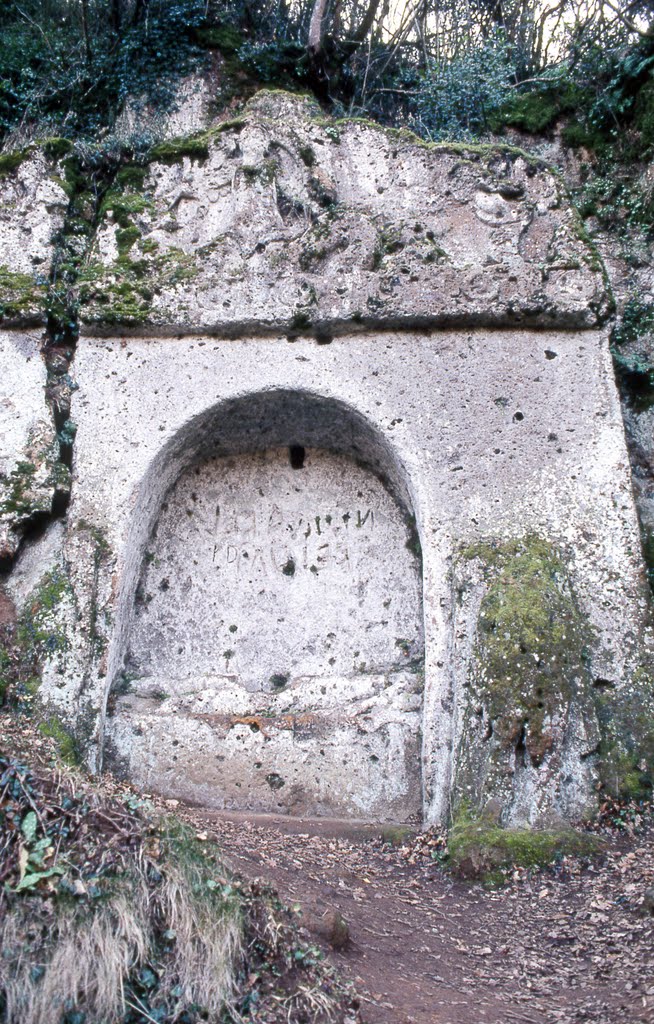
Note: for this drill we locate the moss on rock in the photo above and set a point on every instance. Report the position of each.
(532, 645)
(124, 205)
(18, 496)
(10, 162)
(67, 746)
(28, 491)
(479, 848)
(39, 633)
(626, 761)
(121, 292)
(22, 296)
(528, 689)
(196, 147)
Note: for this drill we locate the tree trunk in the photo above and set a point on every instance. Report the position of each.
(367, 22)
(315, 27)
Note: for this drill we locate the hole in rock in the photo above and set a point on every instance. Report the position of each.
(297, 455)
(603, 684)
(521, 746)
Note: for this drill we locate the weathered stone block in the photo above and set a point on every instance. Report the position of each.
(351, 529)
(301, 680)
(30, 471)
(476, 435)
(33, 205)
(282, 220)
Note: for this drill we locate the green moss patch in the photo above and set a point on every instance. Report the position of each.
(132, 176)
(116, 294)
(22, 296)
(481, 850)
(125, 239)
(626, 761)
(196, 147)
(27, 493)
(536, 110)
(38, 632)
(56, 147)
(18, 500)
(531, 656)
(121, 293)
(10, 162)
(124, 206)
(67, 746)
(226, 38)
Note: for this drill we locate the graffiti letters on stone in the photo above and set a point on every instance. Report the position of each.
(265, 542)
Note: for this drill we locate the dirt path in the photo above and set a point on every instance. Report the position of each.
(426, 949)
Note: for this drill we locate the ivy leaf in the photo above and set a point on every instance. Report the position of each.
(29, 881)
(147, 978)
(28, 826)
(40, 851)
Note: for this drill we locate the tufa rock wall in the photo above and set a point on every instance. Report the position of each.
(351, 527)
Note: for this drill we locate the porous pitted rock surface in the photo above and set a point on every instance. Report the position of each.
(500, 434)
(528, 707)
(425, 325)
(283, 220)
(30, 471)
(33, 204)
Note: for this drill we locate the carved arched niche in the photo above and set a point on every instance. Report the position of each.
(275, 645)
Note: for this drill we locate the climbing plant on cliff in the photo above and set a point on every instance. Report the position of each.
(67, 66)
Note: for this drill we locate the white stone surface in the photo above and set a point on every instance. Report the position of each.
(195, 96)
(296, 223)
(28, 443)
(426, 323)
(479, 434)
(298, 572)
(32, 209)
(279, 617)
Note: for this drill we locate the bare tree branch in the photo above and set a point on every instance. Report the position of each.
(628, 23)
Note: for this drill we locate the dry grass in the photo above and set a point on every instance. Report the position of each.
(78, 962)
(113, 914)
(86, 955)
(107, 911)
(208, 933)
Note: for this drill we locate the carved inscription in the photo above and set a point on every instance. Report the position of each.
(261, 574)
(267, 543)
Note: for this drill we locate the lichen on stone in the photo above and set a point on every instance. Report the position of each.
(37, 636)
(31, 486)
(626, 753)
(121, 293)
(529, 683)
